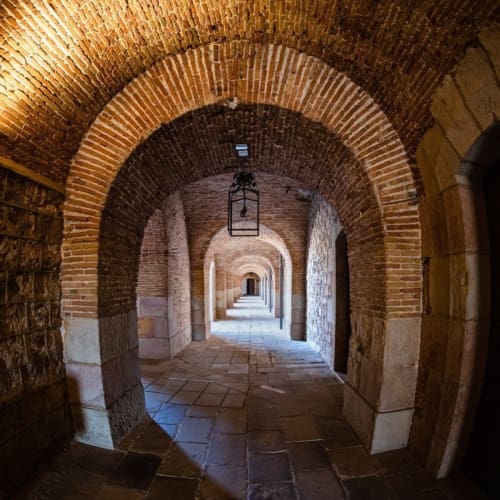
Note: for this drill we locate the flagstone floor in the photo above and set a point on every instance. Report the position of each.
(247, 414)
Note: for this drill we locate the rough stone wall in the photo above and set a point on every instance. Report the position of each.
(34, 413)
(153, 271)
(324, 226)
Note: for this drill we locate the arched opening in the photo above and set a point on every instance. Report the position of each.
(479, 460)
(239, 260)
(126, 193)
(338, 109)
(342, 305)
(250, 285)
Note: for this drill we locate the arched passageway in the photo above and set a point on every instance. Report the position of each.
(110, 108)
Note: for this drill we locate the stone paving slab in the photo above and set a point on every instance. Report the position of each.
(247, 414)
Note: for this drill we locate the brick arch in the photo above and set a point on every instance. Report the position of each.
(221, 241)
(259, 261)
(230, 73)
(264, 264)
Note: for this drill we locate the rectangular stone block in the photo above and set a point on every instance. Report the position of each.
(12, 353)
(359, 414)
(200, 331)
(379, 432)
(47, 286)
(470, 297)
(81, 340)
(397, 391)
(85, 384)
(92, 426)
(449, 110)
(401, 341)
(114, 380)
(114, 336)
(20, 287)
(152, 306)
(126, 412)
(38, 315)
(439, 278)
(9, 248)
(151, 348)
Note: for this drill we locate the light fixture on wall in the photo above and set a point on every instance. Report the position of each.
(243, 199)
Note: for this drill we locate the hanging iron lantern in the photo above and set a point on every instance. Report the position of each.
(243, 200)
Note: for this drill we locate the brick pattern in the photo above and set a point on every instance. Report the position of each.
(153, 268)
(283, 217)
(163, 284)
(33, 409)
(324, 227)
(383, 161)
(179, 280)
(64, 61)
(187, 142)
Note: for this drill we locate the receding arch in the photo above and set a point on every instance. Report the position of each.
(243, 262)
(128, 120)
(371, 187)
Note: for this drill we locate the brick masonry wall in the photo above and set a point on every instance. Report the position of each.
(66, 45)
(34, 415)
(324, 227)
(153, 269)
(325, 132)
(163, 287)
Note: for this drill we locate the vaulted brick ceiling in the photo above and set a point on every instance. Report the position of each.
(63, 61)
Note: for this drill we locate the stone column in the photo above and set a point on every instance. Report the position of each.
(220, 290)
(102, 366)
(379, 394)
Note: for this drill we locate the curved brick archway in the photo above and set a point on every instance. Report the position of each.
(232, 254)
(242, 72)
(316, 91)
(264, 267)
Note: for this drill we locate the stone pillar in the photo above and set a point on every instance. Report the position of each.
(154, 342)
(220, 291)
(379, 393)
(229, 291)
(102, 366)
(298, 315)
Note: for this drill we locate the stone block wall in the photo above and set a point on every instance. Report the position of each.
(34, 415)
(455, 249)
(324, 227)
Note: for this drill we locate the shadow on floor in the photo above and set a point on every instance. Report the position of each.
(247, 414)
